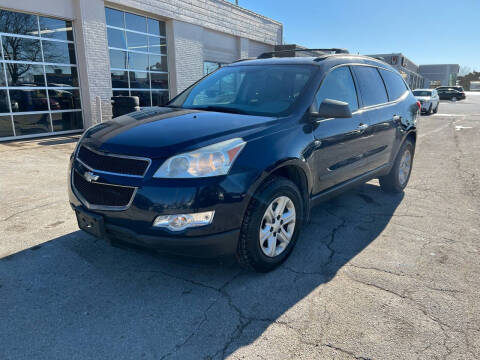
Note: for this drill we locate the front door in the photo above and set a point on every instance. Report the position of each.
(341, 143)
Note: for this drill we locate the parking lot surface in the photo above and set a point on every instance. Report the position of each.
(373, 276)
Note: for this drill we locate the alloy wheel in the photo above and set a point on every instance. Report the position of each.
(277, 226)
(405, 167)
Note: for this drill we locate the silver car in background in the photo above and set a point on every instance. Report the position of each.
(428, 99)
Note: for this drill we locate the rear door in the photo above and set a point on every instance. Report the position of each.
(341, 142)
(383, 115)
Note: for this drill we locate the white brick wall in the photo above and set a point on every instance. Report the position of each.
(187, 66)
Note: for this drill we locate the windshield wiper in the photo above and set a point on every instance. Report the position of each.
(219, 109)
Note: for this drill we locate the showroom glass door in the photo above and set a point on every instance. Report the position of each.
(138, 57)
(39, 88)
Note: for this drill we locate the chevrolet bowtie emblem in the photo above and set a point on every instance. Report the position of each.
(90, 176)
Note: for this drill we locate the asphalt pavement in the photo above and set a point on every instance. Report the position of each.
(373, 276)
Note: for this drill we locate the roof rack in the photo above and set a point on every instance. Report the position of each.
(272, 54)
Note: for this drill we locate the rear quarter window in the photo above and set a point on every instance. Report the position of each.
(371, 85)
(395, 85)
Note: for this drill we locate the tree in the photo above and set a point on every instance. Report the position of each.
(465, 80)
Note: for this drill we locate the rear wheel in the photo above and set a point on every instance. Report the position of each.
(454, 98)
(271, 225)
(397, 179)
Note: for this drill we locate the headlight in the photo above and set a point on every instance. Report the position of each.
(212, 160)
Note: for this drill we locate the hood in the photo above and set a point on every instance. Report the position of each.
(162, 132)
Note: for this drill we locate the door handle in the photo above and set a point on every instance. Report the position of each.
(362, 127)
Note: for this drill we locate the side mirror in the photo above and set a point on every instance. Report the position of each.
(333, 109)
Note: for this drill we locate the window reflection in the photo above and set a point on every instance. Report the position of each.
(158, 63)
(25, 75)
(144, 97)
(120, 93)
(135, 22)
(28, 100)
(31, 124)
(61, 75)
(18, 23)
(114, 17)
(64, 99)
(5, 126)
(67, 121)
(118, 59)
(139, 80)
(137, 61)
(157, 45)
(119, 79)
(159, 81)
(58, 52)
(2, 75)
(4, 106)
(116, 38)
(137, 42)
(55, 28)
(156, 27)
(21, 49)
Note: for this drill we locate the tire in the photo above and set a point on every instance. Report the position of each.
(453, 98)
(429, 112)
(397, 179)
(436, 109)
(250, 253)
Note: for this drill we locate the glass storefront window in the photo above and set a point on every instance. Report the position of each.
(116, 38)
(55, 28)
(61, 76)
(6, 128)
(21, 49)
(25, 75)
(141, 70)
(39, 88)
(31, 124)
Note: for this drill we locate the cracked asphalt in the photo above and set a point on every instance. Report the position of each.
(373, 276)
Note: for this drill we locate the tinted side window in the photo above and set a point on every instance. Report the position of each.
(371, 85)
(395, 85)
(338, 85)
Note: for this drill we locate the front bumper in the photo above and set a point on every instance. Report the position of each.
(227, 195)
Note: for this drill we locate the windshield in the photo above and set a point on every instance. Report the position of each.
(422, 93)
(254, 90)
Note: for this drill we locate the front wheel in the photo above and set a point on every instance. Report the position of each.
(397, 179)
(436, 109)
(430, 109)
(454, 98)
(271, 225)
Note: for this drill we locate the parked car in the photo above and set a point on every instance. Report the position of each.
(458, 88)
(451, 94)
(429, 100)
(234, 163)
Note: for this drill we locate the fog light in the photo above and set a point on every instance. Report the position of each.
(180, 222)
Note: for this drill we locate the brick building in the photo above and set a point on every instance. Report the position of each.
(62, 60)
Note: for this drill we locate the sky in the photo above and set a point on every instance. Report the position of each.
(427, 32)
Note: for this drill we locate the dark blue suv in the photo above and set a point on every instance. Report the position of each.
(234, 163)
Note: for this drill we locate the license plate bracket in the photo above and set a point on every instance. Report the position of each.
(91, 223)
